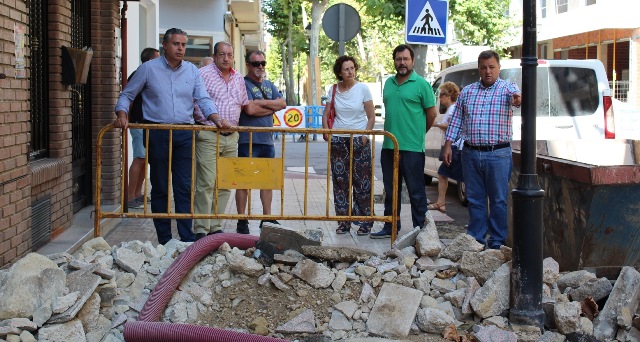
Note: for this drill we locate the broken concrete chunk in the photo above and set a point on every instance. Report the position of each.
(340, 254)
(428, 242)
(245, 265)
(493, 298)
(285, 238)
(28, 284)
(481, 265)
(625, 294)
(313, 273)
(305, 322)
(493, 333)
(394, 311)
(567, 317)
(85, 284)
(433, 320)
(574, 279)
(597, 289)
(462, 242)
(550, 271)
(128, 260)
(61, 304)
(70, 331)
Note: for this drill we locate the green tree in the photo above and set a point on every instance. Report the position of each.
(285, 26)
(482, 22)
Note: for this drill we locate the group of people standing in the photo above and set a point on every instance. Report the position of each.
(477, 147)
(173, 91)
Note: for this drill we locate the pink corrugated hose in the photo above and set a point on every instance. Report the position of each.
(147, 329)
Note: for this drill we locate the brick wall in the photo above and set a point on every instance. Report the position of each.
(58, 188)
(595, 37)
(14, 134)
(105, 17)
(23, 182)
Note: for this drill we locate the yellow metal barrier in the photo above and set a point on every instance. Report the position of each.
(247, 173)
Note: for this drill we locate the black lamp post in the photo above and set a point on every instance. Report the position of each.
(528, 197)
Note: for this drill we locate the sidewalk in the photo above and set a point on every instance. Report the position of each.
(116, 231)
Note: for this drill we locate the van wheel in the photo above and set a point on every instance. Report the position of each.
(462, 194)
(428, 179)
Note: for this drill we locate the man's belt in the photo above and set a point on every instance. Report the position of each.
(487, 148)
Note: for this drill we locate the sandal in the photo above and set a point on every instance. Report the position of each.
(439, 207)
(342, 230)
(363, 231)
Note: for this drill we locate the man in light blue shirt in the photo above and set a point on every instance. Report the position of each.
(168, 86)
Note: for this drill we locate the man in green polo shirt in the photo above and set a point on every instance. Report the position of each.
(410, 105)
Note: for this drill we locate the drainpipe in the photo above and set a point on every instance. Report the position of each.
(124, 73)
(528, 197)
(123, 34)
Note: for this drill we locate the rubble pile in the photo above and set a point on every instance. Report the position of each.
(424, 288)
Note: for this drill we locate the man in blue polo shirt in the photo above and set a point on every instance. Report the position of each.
(411, 111)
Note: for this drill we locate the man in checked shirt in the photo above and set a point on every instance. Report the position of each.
(227, 89)
(482, 117)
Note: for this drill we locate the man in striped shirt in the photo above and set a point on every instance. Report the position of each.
(482, 117)
(226, 87)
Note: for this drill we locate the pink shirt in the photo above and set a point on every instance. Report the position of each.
(229, 97)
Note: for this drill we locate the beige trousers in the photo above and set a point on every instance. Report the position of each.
(206, 161)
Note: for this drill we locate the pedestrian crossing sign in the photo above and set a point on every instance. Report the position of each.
(426, 21)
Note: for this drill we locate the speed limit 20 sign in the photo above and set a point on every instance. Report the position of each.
(290, 117)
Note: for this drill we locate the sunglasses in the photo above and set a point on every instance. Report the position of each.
(257, 64)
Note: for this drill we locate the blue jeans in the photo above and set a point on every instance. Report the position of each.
(411, 169)
(181, 180)
(486, 176)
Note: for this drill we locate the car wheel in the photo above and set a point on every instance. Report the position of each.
(427, 179)
(462, 194)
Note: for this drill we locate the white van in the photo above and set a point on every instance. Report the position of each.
(573, 102)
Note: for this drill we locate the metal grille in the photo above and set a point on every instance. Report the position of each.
(80, 109)
(39, 147)
(621, 90)
(40, 223)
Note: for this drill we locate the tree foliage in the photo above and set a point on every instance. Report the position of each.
(482, 22)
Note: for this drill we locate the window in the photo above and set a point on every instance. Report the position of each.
(589, 2)
(543, 8)
(562, 6)
(39, 144)
(197, 48)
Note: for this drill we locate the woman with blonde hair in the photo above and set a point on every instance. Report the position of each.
(448, 95)
(354, 109)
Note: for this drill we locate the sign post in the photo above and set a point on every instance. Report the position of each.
(341, 23)
(426, 21)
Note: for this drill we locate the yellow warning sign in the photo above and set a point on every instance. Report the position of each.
(276, 121)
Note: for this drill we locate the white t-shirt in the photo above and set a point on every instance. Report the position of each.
(350, 113)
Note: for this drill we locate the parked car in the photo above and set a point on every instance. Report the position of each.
(573, 102)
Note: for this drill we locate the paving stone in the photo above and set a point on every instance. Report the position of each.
(339, 321)
(348, 308)
(394, 311)
(407, 240)
(313, 273)
(85, 284)
(66, 332)
(340, 254)
(129, 260)
(61, 304)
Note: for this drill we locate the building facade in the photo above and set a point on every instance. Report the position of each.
(607, 30)
(50, 115)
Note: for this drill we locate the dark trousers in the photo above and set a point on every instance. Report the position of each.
(411, 169)
(158, 150)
